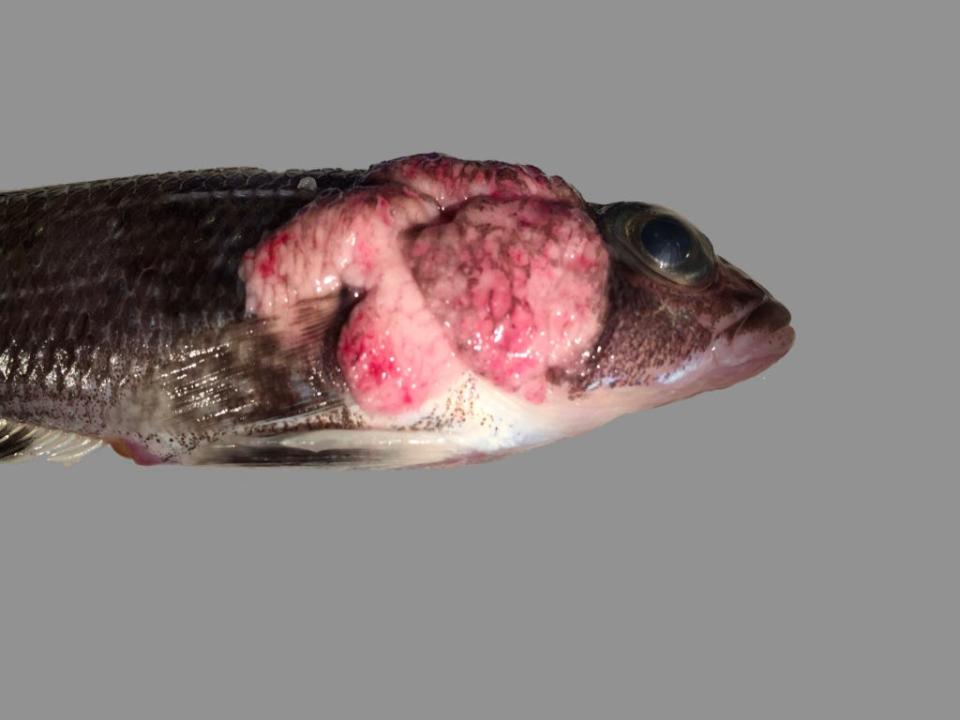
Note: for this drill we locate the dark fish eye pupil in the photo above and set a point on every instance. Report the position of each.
(666, 241)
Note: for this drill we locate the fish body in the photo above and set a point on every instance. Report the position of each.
(425, 311)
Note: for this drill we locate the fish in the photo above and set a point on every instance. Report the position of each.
(427, 311)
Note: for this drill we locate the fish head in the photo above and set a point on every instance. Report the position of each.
(680, 320)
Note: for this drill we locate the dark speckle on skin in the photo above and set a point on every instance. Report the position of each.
(652, 325)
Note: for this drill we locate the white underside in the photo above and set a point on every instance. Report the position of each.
(472, 420)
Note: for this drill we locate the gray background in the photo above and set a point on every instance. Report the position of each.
(783, 549)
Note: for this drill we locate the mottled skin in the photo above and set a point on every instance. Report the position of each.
(474, 308)
(652, 324)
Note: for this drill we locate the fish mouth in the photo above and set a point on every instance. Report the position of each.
(757, 341)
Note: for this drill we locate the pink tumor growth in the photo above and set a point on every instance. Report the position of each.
(519, 284)
(393, 351)
(349, 239)
(450, 181)
(465, 265)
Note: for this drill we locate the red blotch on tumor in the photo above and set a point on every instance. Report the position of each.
(484, 266)
(535, 281)
(267, 267)
(391, 365)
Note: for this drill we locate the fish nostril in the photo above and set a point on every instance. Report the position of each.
(768, 316)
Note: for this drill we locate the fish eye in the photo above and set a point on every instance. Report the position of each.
(666, 241)
(654, 239)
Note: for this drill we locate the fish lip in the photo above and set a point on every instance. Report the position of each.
(728, 362)
(760, 338)
(758, 314)
(768, 315)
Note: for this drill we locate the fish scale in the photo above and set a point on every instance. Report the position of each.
(100, 279)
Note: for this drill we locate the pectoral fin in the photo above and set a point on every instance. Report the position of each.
(251, 372)
(20, 441)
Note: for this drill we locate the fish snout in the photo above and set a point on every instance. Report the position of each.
(769, 316)
(757, 341)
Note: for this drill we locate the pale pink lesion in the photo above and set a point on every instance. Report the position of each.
(520, 286)
(394, 353)
(489, 267)
(352, 240)
(451, 181)
(133, 450)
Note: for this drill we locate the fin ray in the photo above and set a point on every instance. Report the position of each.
(22, 441)
(341, 449)
(254, 371)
